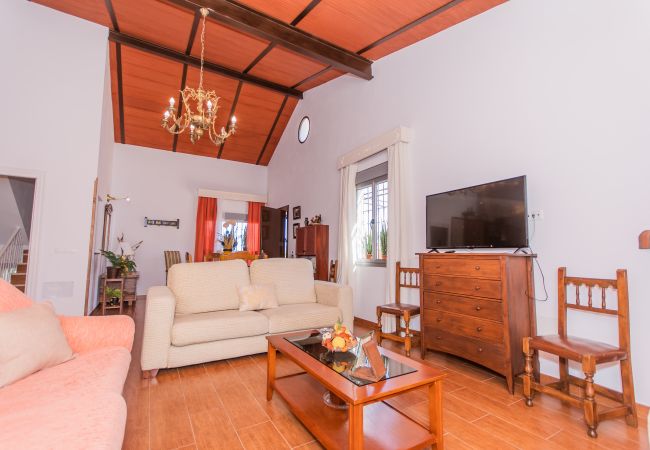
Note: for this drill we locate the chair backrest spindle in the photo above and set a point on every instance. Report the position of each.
(408, 277)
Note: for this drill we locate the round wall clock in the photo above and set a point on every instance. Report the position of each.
(303, 130)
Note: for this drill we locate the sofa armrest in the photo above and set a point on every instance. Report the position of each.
(158, 322)
(333, 294)
(90, 333)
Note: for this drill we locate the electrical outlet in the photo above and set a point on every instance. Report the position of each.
(537, 215)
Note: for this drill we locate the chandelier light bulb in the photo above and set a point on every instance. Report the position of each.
(209, 105)
(233, 119)
(167, 114)
(171, 101)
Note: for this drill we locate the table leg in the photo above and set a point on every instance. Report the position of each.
(435, 412)
(355, 427)
(270, 372)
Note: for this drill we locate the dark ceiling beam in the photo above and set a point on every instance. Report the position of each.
(174, 55)
(232, 113)
(410, 25)
(275, 122)
(311, 77)
(304, 12)
(188, 50)
(294, 22)
(111, 14)
(118, 63)
(120, 90)
(252, 22)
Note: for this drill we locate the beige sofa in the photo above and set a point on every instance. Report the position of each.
(196, 317)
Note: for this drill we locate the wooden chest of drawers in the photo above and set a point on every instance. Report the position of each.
(478, 307)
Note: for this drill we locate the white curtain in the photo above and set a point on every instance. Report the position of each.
(398, 220)
(347, 224)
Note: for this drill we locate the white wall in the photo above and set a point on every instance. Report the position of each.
(555, 90)
(104, 181)
(164, 185)
(53, 80)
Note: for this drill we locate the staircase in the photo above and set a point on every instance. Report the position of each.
(19, 278)
(13, 259)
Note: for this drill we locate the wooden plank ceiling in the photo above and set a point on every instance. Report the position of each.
(260, 56)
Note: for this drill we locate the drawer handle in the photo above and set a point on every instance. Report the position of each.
(477, 288)
(438, 319)
(478, 308)
(479, 329)
(438, 283)
(438, 337)
(438, 267)
(438, 302)
(477, 267)
(480, 350)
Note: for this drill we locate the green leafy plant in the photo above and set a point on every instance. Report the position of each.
(367, 243)
(113, 292)
(121, 261)
(383, 240)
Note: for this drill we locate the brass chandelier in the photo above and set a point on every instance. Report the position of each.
(202, 118)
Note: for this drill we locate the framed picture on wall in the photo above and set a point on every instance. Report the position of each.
(295, 229)
(296, 213)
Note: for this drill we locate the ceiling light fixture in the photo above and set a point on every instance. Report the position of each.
(110, 198)
(202, 118)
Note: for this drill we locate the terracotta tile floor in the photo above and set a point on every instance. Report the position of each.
(222, 405)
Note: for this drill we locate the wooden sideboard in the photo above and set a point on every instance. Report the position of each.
(130, 287)
(478, 306)
(312, 241)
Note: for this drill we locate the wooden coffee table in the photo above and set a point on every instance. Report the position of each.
(369, 421)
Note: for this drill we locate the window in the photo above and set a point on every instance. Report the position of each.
(372, 214)
(235, 224)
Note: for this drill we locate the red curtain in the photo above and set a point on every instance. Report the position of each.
(253, 234)
(206, 219)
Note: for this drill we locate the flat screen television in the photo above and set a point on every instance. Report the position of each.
(491, 215)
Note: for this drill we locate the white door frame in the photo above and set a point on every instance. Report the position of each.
(35, 231)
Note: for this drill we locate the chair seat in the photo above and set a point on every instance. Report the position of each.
(399, 309)
(575, 348)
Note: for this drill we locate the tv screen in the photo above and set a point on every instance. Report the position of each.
(491, 215)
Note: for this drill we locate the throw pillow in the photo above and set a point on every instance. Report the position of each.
(31, 339)
(257, 296)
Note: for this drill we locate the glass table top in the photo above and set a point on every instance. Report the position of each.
(344, 363)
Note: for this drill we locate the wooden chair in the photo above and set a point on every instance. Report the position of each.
(171, 257)
(587, 352)
(334, 267)
(407, 278)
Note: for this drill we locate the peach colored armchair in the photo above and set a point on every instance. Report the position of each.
(77, 404)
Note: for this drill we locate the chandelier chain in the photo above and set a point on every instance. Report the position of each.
(204, 13)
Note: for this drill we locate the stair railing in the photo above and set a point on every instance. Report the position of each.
(12, 253)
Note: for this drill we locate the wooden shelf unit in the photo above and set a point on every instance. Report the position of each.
(478, 306)
(113, 283)
(313, 241)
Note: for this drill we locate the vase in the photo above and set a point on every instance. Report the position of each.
(113, 272)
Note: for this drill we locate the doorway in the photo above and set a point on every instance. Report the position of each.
(275, 231)
(17, 195)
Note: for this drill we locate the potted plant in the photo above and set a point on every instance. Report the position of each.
(383, 241)
(120, 264)
(367, 243)
(114, 295)
(116, 264)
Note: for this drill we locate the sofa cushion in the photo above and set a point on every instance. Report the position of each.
(217, 325)
(301, 317)
(104, 369)
(93, 420)
(257, 296)
(31, 339)
(207, 286)
(293, 278)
